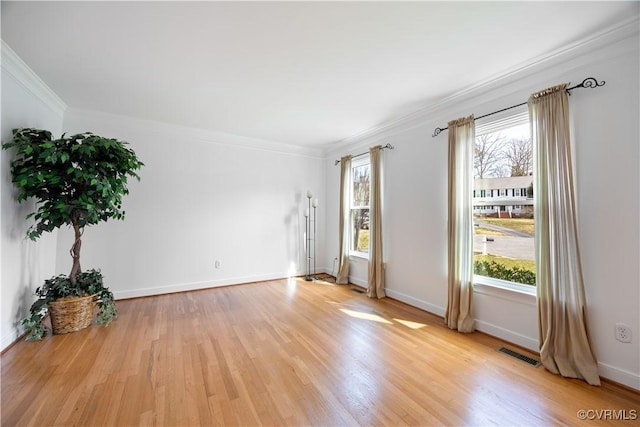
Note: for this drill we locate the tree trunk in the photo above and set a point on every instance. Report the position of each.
(75, 253)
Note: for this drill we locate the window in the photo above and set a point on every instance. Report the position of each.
(504, 236)
(360, 177)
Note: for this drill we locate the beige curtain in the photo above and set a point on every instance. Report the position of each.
(564, 342)
(376, 261)
(342, 276)
(460, 225)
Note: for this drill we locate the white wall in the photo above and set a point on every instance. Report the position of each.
(207, 196)
(605, 122)
(26, 102)
(203, 197)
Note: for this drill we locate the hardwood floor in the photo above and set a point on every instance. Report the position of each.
(287, 352)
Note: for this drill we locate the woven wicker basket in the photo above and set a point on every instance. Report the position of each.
(72, 314)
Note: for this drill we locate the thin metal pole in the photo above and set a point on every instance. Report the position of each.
(589, 82)
(389, 146)
(308, 276)
(314, 241)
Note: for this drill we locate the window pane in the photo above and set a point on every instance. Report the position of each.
(504, 229)
(360, 192)
(360, 230)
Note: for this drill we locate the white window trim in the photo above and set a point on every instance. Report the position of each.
(364, 160)
(490, 285)
(359, 255)
(502, 121)
(504, 284)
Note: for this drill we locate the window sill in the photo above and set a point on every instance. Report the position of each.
(523, 294)
(363, 256)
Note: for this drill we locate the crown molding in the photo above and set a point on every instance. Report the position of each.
(24, 75)
(628, 28)
(182, 132)
(20, 71)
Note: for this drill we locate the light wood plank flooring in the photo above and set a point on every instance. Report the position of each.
(286, 352)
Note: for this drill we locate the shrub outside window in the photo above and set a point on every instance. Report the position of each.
(504, 226)
(360, 178)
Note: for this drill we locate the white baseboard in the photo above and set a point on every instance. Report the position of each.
(12, 335)
(361, 283)
(486, 327)
(512, 337)
(415, 302)
(9, 338)
(618, 375)
(612, 373)
(193, 286)
(609, 372)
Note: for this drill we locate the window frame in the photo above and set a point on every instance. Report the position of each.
(356, 163)
(486, 126)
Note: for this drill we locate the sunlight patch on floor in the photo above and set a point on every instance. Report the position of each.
(324, 283)
(375, 317)
(292, 285)
(300, 279)
(365, 316)
(410, 324)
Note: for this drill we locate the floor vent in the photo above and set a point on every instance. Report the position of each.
(526, 359)
(360, 291)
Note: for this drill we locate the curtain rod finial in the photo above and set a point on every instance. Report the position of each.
(591, 82)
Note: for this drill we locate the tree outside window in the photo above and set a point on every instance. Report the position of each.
(360, 178)
(504, 227)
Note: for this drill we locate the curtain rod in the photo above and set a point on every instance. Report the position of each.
(389, 146)
(589, 82)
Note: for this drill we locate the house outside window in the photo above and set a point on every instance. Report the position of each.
(360, 179)
(504, 228)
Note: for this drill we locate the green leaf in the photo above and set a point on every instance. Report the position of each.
(83, 192)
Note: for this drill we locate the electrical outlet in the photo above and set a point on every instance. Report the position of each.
(623, 332)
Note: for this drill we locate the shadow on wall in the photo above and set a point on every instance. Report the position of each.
(27, 283)
(29, 265)
(14, 224)
(14, 229)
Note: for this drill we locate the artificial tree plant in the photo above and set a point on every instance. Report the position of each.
(76, 181)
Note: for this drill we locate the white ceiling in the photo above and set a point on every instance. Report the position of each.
(303, 73)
